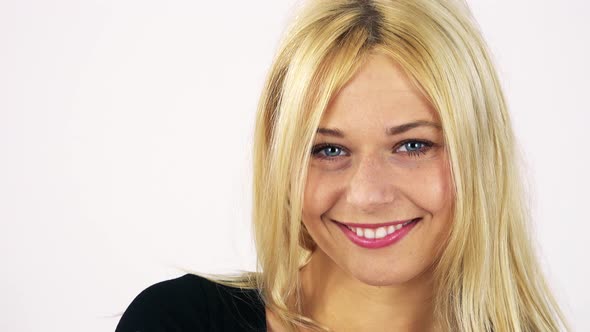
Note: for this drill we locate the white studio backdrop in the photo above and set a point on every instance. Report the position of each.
(125, 139)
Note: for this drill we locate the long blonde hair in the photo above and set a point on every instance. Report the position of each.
(488, 278)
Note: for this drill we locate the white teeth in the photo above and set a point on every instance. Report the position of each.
(380, 233)
(369, 233)
(376, 233)
(390, 229)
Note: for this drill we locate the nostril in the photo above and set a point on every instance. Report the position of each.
(367, 198)
(369, 186)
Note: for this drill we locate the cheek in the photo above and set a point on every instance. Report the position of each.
(321, 192)
(429, 187)
(435, 194)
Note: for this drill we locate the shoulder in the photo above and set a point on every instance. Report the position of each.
(193, 303)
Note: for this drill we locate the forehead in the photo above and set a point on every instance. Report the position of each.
(380, 91)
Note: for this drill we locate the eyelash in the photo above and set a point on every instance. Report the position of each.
(317, 149)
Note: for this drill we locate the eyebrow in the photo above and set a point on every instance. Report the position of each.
(396, 130)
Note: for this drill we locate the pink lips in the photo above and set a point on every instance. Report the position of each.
(382, 242)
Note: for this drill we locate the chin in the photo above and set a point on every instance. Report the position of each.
(387, 275)
(378, 279)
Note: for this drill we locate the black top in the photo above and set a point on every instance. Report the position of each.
(193, 303)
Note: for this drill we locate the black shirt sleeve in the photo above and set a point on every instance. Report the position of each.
(193, 303)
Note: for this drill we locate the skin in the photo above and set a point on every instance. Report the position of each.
(369, 176)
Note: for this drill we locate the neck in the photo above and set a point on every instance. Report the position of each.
(342, 303)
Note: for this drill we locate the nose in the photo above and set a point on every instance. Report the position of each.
(371, 185)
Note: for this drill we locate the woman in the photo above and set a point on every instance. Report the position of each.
(386, 188)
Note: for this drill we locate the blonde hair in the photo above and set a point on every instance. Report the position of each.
(488, 278)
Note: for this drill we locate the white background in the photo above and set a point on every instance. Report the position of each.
(125, 132)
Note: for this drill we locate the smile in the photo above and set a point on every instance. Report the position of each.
(377, 236)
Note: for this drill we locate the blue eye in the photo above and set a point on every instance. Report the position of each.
(328, 151)
(414, 148)
(411, 148)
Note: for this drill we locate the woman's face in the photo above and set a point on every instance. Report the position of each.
(379, 162)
